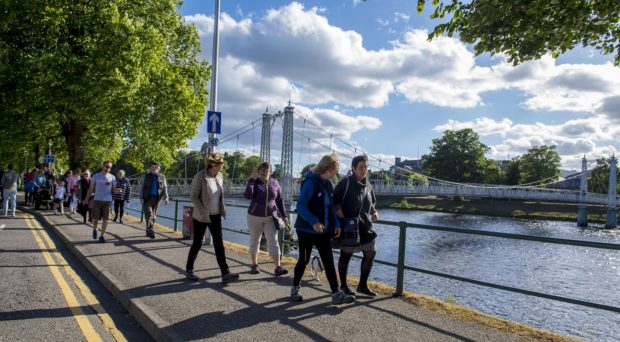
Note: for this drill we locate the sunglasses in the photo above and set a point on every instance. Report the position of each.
(107, 166)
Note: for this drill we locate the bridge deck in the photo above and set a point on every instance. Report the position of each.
(146, 276)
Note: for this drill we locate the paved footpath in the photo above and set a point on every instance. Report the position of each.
(46, 294)
(147, 277)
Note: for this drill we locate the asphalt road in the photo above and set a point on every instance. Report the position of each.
(46, 294)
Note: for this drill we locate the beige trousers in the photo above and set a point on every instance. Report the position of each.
(257, 226)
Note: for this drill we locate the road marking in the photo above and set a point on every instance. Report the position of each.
(92, 301)
(87, 328)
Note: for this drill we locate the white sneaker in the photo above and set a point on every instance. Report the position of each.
(296, 295)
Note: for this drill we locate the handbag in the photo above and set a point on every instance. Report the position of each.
(279, 221)
(350, 226)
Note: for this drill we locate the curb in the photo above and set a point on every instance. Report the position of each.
(151, 322)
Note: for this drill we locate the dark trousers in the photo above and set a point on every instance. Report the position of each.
(323, 245)
(151, 204)
(119, 208)
(215, 227)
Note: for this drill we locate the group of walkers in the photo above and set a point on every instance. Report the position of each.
(320, 209)
(103, 192)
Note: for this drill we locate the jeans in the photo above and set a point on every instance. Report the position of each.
(151, 204)
(9, 197)
(119, 208)
(215, 227)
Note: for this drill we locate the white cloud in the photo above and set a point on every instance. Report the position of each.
(401, 17)
(573, 138)
(329, 64)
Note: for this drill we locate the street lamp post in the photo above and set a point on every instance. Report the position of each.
(216, 52)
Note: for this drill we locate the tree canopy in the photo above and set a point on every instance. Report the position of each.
(458, 156)
(528, 29)
(92, 77)
(539, 163)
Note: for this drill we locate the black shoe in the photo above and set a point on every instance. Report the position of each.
(189, 275)
(254, 269)
(114, 219)
(94, 234)
(101, 239)
(280, 271)
(347, 290)
(150, 233)
(120, 221)
(366, 291)
(229, 277)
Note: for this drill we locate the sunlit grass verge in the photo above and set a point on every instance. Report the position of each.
(430, 303)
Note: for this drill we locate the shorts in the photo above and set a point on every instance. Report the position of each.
(101, 210)
(367, 247)
(57, 200)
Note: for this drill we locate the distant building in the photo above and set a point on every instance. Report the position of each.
(415, 165)
(502, 164)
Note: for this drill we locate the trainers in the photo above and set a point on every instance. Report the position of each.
(347, 290)
(280, 271)
(229, 277)
(296, 295)
(340, 297)
(101, 239)
(365, 290)
(254, 269)
(189, 275)
(94, 234)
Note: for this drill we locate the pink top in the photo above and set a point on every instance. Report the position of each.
(72, 183)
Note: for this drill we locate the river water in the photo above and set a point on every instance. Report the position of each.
(582, 273)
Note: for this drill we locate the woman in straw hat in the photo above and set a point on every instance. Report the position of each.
(207, 197)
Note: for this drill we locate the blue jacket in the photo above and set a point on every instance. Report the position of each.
(316, 204)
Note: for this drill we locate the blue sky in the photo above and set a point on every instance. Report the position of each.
(365, 72)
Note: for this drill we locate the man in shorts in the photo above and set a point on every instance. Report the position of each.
(102, 185)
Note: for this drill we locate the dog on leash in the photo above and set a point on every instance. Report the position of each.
(316, 267)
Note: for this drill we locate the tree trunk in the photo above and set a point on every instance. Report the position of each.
(37, 154)
(75, 132)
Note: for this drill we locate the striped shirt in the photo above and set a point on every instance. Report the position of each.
(125, 186)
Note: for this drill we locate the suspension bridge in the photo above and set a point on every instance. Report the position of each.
(316, 140)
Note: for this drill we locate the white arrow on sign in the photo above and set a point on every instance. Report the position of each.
(214, 120)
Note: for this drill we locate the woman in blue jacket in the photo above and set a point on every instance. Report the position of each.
(316, 224)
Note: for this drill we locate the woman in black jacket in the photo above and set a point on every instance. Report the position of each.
(354, 198)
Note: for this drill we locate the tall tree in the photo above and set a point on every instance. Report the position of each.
(457, 156)
(599, 178)
(539, 163)
(93, 76)
(493, 174)
(513, 174)
(528, 29)
(306, 169)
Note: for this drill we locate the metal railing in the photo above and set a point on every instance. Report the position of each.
(236, 187)
(401, 266)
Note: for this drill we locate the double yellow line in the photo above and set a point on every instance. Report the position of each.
(54, 259)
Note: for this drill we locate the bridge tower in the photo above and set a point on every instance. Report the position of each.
(612, 200)
(582, 214)
(287, 155)
(265, 138)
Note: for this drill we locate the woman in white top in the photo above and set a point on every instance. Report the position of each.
(207, 197)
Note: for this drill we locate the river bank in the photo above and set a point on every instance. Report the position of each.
(494, 207)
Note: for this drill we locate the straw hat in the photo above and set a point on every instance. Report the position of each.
(214, 159)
